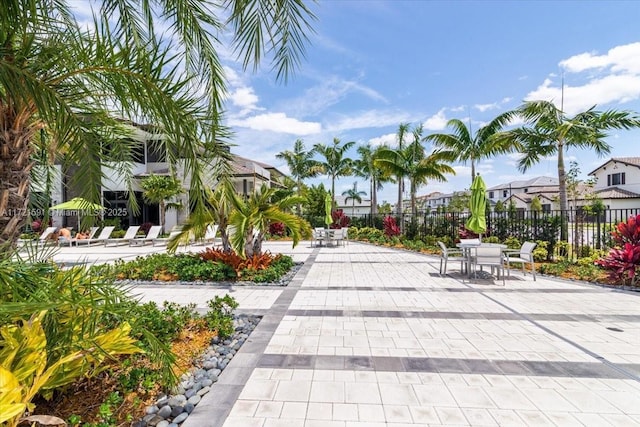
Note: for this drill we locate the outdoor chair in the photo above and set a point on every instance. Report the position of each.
(209, 235)
(153, 234)
(92, 232)
(128, 236)
(102, 237)
(317, 236)
(523, 255)
(449, 254)
(490, 256)
(45, 235)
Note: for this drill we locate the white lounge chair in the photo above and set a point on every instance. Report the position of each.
(177, 229)
(102, 237)
(45, 235)
(92, 232)
(128, 236)
(153, 234)
(209, 236)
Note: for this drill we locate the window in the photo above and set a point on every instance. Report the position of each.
(616, 179)
(491, 194)
(156, 152)
(526, 190)
(504, 193)
(546, 207)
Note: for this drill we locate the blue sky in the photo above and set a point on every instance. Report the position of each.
(374, 64)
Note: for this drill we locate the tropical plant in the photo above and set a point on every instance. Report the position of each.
(365, 167)
(354, 195)
(157, 189)
(403, 129)
(335, 163)
(412, 162)
(301, 165)
(548, 131)
(391, 228)
(473, 148)
(251, 219)
(75, 84)
(339, 219)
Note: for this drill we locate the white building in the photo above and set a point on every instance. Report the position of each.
(618, 182)
(352, 207)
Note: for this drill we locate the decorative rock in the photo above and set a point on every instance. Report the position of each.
(189, 407)
(194, 399)
(206, 382)
(162, 401)
(203, 391)
(177, 410)
(173, 425)
(154, 421)
(163, 423)
(177, 400)
(189, 393)
(180, 418)
(151, 409)
(165, 412)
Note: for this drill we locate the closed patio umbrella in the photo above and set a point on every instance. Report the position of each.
(327, 210)
(477, 222)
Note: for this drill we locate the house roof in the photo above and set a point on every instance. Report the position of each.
(539, 181)
(616, 193)
(631, 161)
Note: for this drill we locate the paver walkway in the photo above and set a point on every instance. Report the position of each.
(369, 336)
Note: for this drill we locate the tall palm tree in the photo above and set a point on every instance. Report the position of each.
(413, 162)
(158, 189)
(335, 163)
(301, 165)
(403, 130)
(74, 84)
(366, 168)
(473, 148)
(354, 195)
(548, 131)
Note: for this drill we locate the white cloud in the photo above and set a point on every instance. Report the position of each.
(388, 139)
(624, 59)
(278, 122)
(368, 119)
(613, 78)
(485, 107)
(436, 122)
(457, 109)
(614, 88)
(245, 98)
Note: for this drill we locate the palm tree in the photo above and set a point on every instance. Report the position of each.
(548, 131)
(158, 189)
(473, 148)
(74, 84)
(335, 164)
(354, 195)
(251, 219)
(301, 165)
(366, 168)
(412, 162)
(403, 129)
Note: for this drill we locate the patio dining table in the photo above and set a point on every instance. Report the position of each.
(468, 249)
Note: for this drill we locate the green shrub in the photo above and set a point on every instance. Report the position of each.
(512, 242)
(540, 252)
(220, 315)
(491, 239)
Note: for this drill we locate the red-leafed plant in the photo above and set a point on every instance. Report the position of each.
(276, 229)
(391, 229)
(465, 233)
(340, 220)
(624, 260)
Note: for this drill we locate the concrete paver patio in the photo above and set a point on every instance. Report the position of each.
(373, 336)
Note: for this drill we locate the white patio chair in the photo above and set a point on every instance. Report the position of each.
(318, 236)
(523, 255)
(152, 234)
(92, 232)
(102, 237)
(128, 236)
(449, 254)
(490, 256)
(45, 235)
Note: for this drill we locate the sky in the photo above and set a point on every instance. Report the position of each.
(374, 64)
(371, 65)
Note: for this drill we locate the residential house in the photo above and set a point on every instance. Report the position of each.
(617, 183)
(352, 207)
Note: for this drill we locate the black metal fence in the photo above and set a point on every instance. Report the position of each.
(585, 232)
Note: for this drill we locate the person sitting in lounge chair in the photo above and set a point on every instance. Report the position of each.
(64, 235)
(81, 235)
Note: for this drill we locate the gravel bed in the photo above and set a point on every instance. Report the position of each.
(171, 410)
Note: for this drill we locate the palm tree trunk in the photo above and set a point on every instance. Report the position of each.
(562, 193)
(374, 197)
(15, 167)
(399, 207)
(162, 214)
(473, 170)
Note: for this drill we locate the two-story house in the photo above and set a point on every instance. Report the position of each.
(618, 182)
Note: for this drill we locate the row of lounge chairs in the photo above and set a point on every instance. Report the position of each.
(153, 237)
